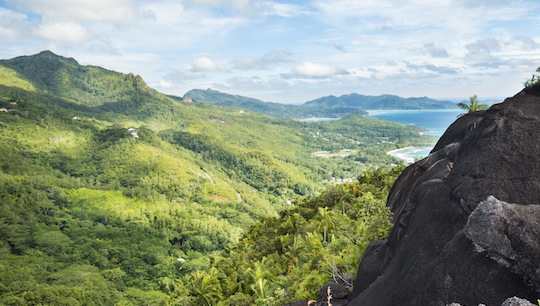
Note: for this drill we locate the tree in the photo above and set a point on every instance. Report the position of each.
(259, 277)
(473, 106)
(325, 218)
(348, 197)
(205, 287)
(535, 79)
(296, 251)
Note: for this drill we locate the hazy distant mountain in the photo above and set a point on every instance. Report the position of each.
(224, 99)
(381, 102)
(329, 107)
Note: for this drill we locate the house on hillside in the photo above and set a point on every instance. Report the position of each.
(5, 110)
(133, 132)
(187, 100)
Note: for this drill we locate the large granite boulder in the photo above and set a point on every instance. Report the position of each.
(456, 237)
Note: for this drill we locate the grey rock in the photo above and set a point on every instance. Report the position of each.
(515, 301)
(337, 302)
(510, 234)
(302, 303)
(457, 304)
(338, 291)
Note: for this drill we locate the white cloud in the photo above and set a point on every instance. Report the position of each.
(269, 59)
(317, 47)
(272, 8)
(473, 4)
(246, 82)
(12, 24)
(120, 12)
(204, 64)
(525, 42)
(435, 51)
(198, 69)
(249, 7)
(68, 32)
(7, 32)
(245, 7)
(428, 68)
(484, 46)
(432, 20)
(316, 71)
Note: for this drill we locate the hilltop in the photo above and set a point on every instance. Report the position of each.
(325, 107)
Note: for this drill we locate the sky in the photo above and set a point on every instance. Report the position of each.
(291, 51)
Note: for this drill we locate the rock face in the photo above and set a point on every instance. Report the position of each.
(466, 218)
(339, 295)
(510, 234)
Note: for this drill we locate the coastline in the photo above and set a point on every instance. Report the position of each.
(408, 154)
(436, 121)
(375, 112)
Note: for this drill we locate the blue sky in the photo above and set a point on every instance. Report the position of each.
(291, 51)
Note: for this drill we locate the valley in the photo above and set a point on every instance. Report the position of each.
(105, 184)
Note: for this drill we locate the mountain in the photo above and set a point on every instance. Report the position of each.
(111, 192)
(223, 99)
(270, 108)
(466, 217)
(379, 102)
(326, 107)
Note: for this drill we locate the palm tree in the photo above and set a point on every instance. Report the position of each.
(535, 79)
(297, 251)
(473, 106)
(348, 197)
(326, 220)
(205, 287)
(259, 277)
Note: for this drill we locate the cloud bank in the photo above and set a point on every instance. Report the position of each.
(288, 51)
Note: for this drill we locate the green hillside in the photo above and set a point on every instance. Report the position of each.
(106, 183)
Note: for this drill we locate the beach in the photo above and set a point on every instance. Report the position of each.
(408, 154)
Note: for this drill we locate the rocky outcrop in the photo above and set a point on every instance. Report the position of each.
(509, 234)
(513, 301)
(466, 218)
(333, 294)
(330, 294)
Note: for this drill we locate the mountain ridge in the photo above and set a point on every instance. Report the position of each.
(324, 107)
(384, 101)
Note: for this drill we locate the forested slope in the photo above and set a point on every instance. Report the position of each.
(106, 185)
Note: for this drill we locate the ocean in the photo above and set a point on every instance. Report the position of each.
(436, 121)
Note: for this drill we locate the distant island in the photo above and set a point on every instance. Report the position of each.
(325, 107)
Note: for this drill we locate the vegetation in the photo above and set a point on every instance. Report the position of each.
(473, 106)
(94, 214)
(287, 258)
(535, 79)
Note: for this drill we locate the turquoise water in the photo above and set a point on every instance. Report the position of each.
(436, 121)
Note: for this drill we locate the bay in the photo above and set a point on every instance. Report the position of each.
(436, 121)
